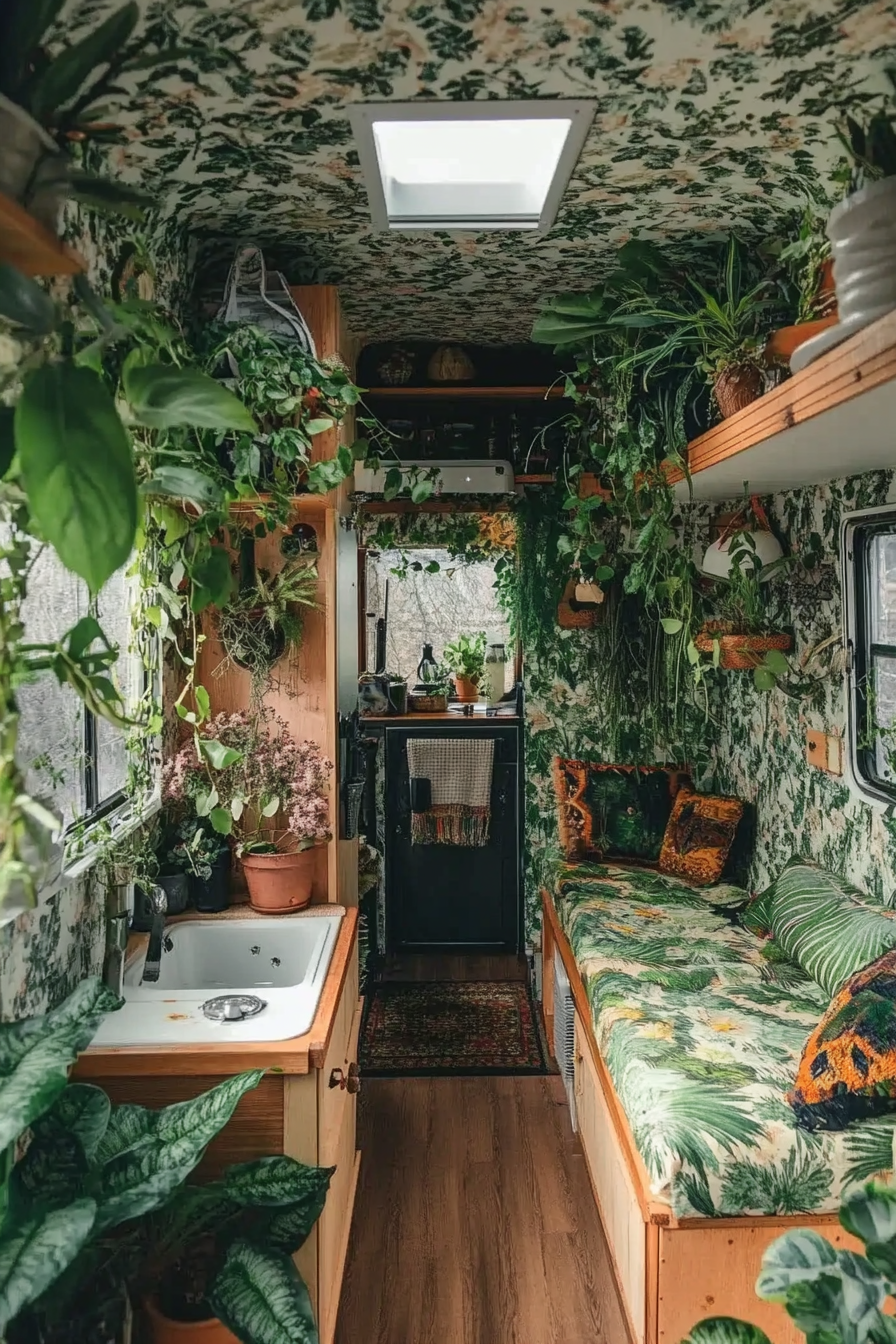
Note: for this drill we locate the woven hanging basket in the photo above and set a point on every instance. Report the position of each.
(741, 653)
(736, 387)
(450, 364)
(570, 617)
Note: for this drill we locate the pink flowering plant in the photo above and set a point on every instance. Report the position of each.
(252, 779)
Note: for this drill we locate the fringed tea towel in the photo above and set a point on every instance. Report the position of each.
(460, 775)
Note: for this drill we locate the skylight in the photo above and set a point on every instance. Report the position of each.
(483, 165)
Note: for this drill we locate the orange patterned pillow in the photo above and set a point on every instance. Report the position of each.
(699, 835)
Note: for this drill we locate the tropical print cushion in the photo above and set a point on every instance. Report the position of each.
(848, 1068)
(821, 921)
(614, 811)
(702, 1033)
(698, 835)
(758, 915)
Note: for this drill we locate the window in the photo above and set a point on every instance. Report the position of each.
(869, 556)
(74, 761)
(480, 165)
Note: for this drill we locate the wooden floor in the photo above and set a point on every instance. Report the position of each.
(429, 966)
(474, 1221)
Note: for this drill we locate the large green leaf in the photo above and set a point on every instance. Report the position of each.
(141, 1180)
(164, 396)
(67, 73)
(83, 1110)
(260, 1296)
(24, 302)
(293, 1194)
(184, 483)
(78, 469)
(726, 1330)
(34, 1254)
(205, 1115)
(219, 756)
(870, 1214)
(35, 1057)
(129, 1126)
(797, 1257)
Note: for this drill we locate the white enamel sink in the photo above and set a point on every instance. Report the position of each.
(282, 961)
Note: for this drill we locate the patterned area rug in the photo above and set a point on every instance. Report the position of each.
(451, 1027)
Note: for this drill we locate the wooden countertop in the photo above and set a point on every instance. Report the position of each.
(300, 1054)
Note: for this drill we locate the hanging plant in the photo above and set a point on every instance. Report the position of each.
(263, 621)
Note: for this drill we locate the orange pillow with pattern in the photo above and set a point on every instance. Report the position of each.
(698, 836)
(848, 1067)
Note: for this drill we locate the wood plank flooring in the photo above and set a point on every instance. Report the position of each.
(465, 966)
(474, 1221)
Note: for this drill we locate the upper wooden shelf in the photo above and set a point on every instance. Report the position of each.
(462, 390)
(30, 247)
(834, 418)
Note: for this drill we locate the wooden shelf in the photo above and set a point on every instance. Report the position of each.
(30, 247)
(834, 418)
(464, 390)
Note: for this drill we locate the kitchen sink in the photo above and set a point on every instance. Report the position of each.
(227, 981)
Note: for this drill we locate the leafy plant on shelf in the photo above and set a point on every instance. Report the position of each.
(746, 606)
(437, 678)
(832, 1296)
(870, 144)
(465, 656)
(804, 259)
(95, 1208)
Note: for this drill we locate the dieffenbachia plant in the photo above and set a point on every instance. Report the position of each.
(97, 1204)
(834, 1296)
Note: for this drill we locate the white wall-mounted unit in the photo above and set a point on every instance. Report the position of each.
(454, 478)
(486, 164)
(565, 1034)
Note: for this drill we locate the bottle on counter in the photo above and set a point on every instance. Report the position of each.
(495, 663)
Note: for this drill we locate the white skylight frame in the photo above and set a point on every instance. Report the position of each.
(364, 116)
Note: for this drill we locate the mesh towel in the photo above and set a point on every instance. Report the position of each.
(460, 773)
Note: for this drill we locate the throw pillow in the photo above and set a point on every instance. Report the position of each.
(614, 811)
(848, 1066)
(821, 923)
(699, 835)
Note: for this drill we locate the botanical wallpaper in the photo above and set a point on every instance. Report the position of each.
(710, 115)
(761, 739)
(702, 1035)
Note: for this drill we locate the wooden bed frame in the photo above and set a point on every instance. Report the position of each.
(670, 1272)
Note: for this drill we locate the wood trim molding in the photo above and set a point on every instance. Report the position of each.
(864, 361)
(300, 1054)
(653, 1212)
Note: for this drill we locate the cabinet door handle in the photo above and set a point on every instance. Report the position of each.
(350, 1082)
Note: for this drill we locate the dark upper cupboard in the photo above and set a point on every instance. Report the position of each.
(447, 897)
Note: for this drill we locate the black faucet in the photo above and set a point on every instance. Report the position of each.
(151, 966)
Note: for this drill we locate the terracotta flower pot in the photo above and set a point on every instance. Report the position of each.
(781, 344)
(736, 387)
(740, 653)
(163, 1330)
(466, 688)
(279, 883)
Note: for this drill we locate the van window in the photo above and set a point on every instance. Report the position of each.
(870, 572)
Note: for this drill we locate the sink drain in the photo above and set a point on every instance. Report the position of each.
(233, 1007)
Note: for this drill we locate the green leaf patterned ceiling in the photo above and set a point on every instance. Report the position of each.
(711, 115)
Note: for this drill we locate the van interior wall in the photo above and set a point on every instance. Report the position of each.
(45, 952)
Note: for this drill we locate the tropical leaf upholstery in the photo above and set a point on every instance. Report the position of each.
(824, 924)
(848, 1068)
(757, 917)
(702, 1032)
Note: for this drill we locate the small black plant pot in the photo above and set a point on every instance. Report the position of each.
(176, 887)
(212, 894)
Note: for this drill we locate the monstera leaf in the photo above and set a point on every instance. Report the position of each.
(726, 1330)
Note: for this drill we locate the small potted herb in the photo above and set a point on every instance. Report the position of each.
(465, 657)
(430, 695)
(205, 857)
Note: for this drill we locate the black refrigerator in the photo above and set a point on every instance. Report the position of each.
(451, 898)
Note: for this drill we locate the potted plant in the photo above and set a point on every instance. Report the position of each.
(435, 679)
(252, 779)
(744, 633)
(144, 858)
(261, 622)
(810, 267)
(204, 856)
(465, 657)
(723, 330)
(49, 103)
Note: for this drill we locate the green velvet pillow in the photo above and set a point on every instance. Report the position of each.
(819, 920)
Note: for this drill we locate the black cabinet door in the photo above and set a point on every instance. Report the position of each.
(448, 897)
